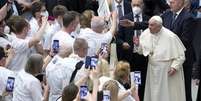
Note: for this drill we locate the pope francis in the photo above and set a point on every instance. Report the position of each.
(165, 81)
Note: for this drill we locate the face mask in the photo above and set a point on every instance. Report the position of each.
(137, 10)
(198, 14)
(45, 13)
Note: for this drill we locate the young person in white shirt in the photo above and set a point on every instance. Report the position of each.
(121, 75)
(70, 22)
(58, 13)
(60, 75)
(38, 10)
(4, 74)
(96, 35)
(27, 86)
(54, 72)
(21, 45)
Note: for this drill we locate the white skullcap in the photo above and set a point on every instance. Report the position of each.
(97, 22)
(157, 19)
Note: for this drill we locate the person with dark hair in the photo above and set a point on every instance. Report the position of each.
(58, 13)
(28, 87)
(70, 22)
(38, 11)
(70, 92)
(20, 44)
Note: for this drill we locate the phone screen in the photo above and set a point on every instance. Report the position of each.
(106, 95)
(94, 61)
(10, 84)
(103, 48)
(88, 62)
(137, 77)
(83, 91)
(55, 46)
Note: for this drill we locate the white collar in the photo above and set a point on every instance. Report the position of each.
(178, 12)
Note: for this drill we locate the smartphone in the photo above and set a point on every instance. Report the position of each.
(55, 46)
(88, 62)
(83, 92)
(106, 95)
(137, 77)
(10, 84)
(94, 62)
(103, 48)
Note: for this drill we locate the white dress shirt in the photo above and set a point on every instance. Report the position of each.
(64, 38)
(123, 90)
(95, 39)
(54, 75)
(22, 53)
(27, 88)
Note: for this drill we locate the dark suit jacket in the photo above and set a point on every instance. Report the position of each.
(183, 27)
(127, 7)
(126, 35)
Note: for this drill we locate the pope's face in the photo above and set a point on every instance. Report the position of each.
(154, 27)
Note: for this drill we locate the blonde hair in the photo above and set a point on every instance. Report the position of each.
(113, 87)
(103, 67)
(122, 70)
(85, 18)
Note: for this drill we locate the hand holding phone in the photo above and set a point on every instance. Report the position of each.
(10, 84)
(106, 95)
(55, 46)
(83, 91)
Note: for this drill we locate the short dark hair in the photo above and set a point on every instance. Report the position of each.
(36, 7)
(2, 53)
(59, 10)
(70, 92)
(17, 23)
(69, 17)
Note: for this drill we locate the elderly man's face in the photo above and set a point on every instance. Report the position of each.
(2, 26)
(154, 27)
(176, 5)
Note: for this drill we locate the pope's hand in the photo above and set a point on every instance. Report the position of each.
(172, 71)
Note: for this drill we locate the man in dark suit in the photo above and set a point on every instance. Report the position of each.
(125, 40)
(122, 5)
(180, 21)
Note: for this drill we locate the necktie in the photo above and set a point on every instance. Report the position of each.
(137, 17)
(120, 13)
(173, 19)
(136, 34)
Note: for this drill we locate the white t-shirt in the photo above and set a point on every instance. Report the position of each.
(22, 53)
(27, 88)
(54, 74)
(64, 38)
(123, 90)
(102, 80)
(95, 39)
(4, 74)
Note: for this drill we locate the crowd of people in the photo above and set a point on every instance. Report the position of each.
(63, 50)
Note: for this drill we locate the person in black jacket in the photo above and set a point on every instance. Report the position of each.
(180, 21)
(125, 45)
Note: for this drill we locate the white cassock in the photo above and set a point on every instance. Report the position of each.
(165, 50)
